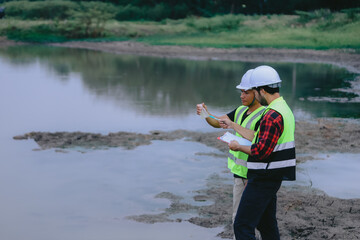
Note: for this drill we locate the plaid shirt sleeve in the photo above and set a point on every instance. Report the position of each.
(271, 128)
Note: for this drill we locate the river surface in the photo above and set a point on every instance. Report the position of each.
(87, 194)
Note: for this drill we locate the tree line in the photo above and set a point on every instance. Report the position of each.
(89, 19)
(176, 9)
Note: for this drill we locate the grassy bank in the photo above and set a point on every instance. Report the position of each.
(270, 31)
(316, 30)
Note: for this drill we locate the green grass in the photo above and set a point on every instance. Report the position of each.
(274, 31)
(282, 38)
(278, 31)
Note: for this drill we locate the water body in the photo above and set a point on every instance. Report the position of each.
(75, 195)
(49, 195)
(333, 173)
(82, 88)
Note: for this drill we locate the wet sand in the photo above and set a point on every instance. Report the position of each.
(303, 213)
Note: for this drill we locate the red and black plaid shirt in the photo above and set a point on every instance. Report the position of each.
(271, 128)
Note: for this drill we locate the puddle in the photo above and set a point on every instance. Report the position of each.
(336, 174)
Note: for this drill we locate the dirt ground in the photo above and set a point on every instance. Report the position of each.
(303, 213)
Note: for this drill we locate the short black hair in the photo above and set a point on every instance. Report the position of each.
(268, 89)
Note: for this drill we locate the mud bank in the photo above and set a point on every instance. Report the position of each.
(303, 213)
(323, 135)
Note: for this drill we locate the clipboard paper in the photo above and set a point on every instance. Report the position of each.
(228, 137)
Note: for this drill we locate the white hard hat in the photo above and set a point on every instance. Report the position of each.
(245, 81)
(265, 76)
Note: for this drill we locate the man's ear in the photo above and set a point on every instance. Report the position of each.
(262, 91)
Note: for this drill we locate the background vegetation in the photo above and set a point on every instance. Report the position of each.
(175, 9)
(259, 23)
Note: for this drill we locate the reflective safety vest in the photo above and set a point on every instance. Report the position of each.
(236, 159)
(281, 163)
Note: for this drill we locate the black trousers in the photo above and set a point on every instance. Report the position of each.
(257, 209)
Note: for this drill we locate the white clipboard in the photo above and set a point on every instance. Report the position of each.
(228, 137)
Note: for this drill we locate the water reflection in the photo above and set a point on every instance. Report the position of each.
(319, 174)
(160, 86)
(77, 196)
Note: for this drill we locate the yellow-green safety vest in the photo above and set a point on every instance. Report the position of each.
(237, 161)
(281, 164)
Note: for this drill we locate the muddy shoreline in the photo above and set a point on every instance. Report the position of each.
(303, 213)
(324, 136)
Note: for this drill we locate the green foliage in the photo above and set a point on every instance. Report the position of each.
(85, 20)
(278, 31)
(156, 13)
(214, 24)
(39, 33)
(129, 12)
(324, 19)
(317, 15)
(231, 22)
(160, 11)
(89, 22)
(180, 11)
(219, 31)
(174, 9)
(39, 9)
(352, 13)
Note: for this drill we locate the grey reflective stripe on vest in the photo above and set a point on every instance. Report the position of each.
(248, 125)
(238, 161)
(272, 165)
(284, 146)
(239, 114)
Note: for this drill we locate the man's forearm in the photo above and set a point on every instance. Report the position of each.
(244, 132)
(235, 146)
(214, 123)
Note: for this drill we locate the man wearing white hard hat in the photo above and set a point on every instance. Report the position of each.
(271, 159)
(245, 121)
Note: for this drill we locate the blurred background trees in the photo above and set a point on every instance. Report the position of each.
(157, 10)
(60, 20)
